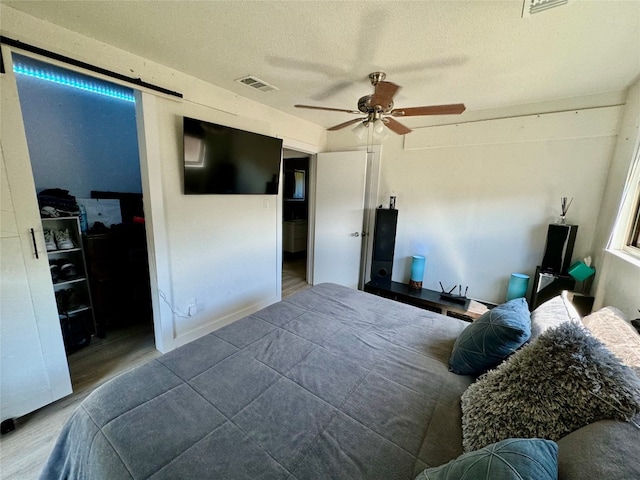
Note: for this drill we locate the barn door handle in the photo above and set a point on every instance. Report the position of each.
(35, 245)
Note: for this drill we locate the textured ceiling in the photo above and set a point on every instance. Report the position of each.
(481, 53)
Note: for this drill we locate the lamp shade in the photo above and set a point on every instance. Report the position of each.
(518, 284)
(360, 130)
(417, 271)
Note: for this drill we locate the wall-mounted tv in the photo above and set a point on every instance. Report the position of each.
(225, 160)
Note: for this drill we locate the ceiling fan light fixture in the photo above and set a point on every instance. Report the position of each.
(378, 108)
(360, 130)
(379, 130)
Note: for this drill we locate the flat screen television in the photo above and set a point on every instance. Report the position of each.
(225, 160)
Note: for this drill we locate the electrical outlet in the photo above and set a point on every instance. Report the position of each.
(192, 309)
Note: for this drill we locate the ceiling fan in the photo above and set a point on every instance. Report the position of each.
(379, 111)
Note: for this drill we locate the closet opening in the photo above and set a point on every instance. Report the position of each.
(83, 146)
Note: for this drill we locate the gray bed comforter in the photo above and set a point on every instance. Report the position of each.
(331, 383)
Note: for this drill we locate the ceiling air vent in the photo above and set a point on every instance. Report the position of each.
(256, 83)
(531, 7)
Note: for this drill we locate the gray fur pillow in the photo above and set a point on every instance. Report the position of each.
(564, 380)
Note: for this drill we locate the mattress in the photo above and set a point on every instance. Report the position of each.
(328, 383)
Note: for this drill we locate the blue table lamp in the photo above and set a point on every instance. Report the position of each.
(518, 284)
(417, 272)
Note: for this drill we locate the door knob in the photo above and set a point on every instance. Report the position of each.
(355, 234)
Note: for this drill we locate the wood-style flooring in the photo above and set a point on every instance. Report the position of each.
(24, 451)
(294, 273)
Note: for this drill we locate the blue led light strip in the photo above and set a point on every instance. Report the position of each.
(74, 82)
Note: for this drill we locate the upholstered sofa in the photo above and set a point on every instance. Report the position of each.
(605, 449)
(575, 381)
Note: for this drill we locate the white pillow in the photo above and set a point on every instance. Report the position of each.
(610, 326)
(552, 313)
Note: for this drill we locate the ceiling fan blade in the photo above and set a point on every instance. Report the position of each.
(346, 124)
(384, 93)
(332, 90)
(329, 109)
(450, 109)
(396, 126)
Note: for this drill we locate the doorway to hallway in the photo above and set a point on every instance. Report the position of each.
(295, 221)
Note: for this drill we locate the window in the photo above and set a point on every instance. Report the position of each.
(633, 237)
(626, 233)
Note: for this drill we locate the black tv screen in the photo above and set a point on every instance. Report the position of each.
(224, 160)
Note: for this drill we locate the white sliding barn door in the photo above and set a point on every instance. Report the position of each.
(339, 217)
(33, 364)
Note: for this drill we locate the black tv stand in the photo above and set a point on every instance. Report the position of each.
(427, 299)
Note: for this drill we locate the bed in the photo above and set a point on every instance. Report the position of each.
(330, 383)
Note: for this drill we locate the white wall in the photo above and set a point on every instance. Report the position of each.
(222, 251)
(476, 198)
(479, 212)
(224, 248)
(618, 278)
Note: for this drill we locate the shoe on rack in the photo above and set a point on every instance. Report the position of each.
(63, 239)
(62, 300)
(49, 212)
(69, 300)
(54, 268)
(74, 300)
(68, 270)
(49, 240)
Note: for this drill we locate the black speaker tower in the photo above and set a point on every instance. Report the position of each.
(552, 276)
(548, 285)
(384, 243)
(559, 248)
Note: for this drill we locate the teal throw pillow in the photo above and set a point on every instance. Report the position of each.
(511, 459)
(491, 338)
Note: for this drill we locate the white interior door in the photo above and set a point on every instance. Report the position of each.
(33, 364)
(340, 179)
